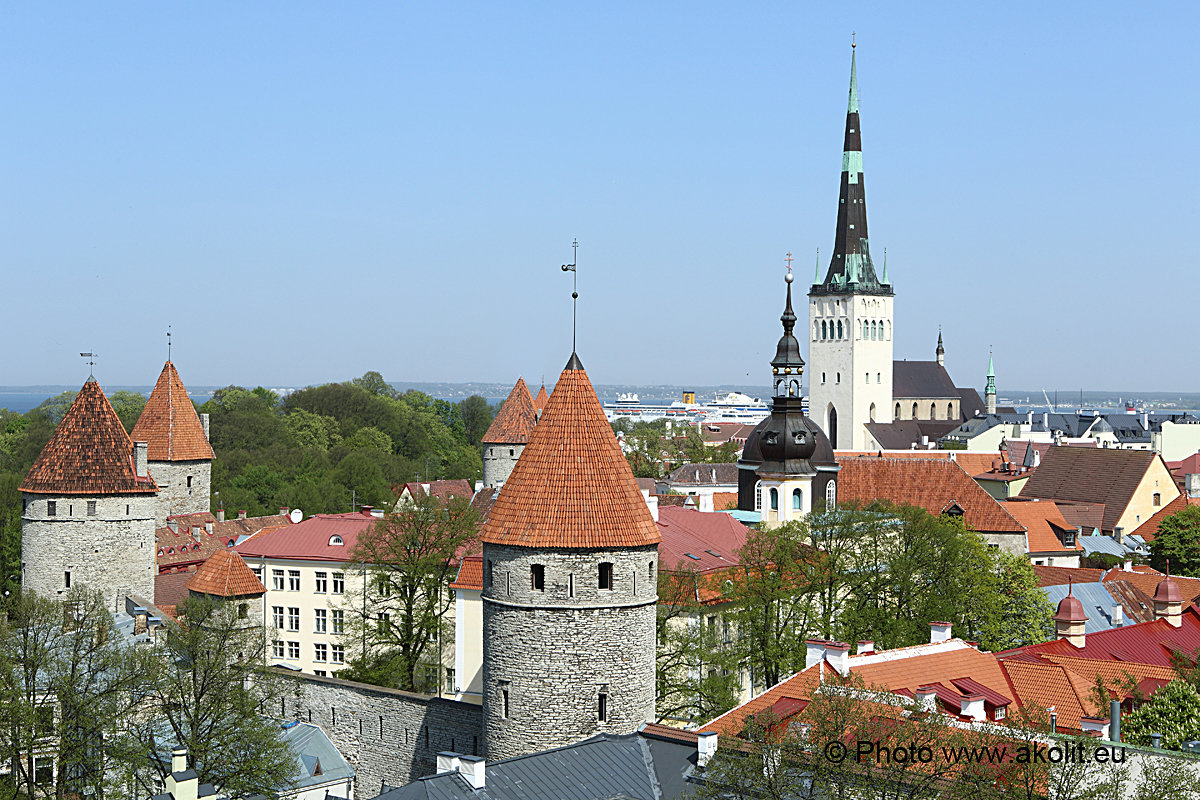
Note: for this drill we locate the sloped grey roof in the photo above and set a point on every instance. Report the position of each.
(921, 379)
(703, 475)
(634, 766)
(970, 403)
(1094, 597)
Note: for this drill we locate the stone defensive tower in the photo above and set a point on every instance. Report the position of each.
(570, 566)
(506, 437)
(850, 313)
(179, 452)
(88, 507)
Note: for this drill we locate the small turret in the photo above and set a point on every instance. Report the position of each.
(989, 393)
(1070, 622)
(1168, 601)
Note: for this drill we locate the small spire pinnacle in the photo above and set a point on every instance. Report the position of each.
(574, 296)
(991, 367)
(168, 343)
(885, 277)
(789, 317)
(817, 271)
(852, 105)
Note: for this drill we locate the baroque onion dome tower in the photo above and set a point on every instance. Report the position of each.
(787, 468)
(508, 434)
(88, 508)
(179, 452)
(570, 556)
(850, 313)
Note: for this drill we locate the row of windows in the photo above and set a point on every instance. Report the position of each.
(492, 451)
(52, 508)
(932, 411)
(320, 583)
(873, 330)
(333, 654)
(324, 620)
(797, 497)
(605, 577)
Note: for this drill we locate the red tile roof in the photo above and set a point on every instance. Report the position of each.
(1144, 643)
(1148, 530)
(1147, 581)
(470, 574)
(714, 539)
(192, 544)
(1089, 516)
(515, 420)
(169, 422)
(1104, 475)
(89, 453)
(1061, 576)
(542, 398)
(170, 588)
(972, 462)
(225, 574)
(932, 484)
(1044, 524)
(572, 486)
(1186, 466)
(310, 540)
(443, 490)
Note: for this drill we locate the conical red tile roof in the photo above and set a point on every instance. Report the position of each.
(571, 486)
(225, 574)
(540, 401)
(515, 419)
(170, 424)
(89, 453)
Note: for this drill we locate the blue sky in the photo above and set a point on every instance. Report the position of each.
(307, 191)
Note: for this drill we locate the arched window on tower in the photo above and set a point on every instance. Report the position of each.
(794, 388)
(797, 503)
(823, 330)
(864, 329)
(774, 499)
(831, 495)
(758, 496)
(839, 329)
(933, 410)
(897, 411)
(872, 412)
(949, 410)
(914, 416)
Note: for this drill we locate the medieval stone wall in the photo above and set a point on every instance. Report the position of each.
(175, 495)
(108, 547)
(387, 735)
(553, 656)
(498, 462)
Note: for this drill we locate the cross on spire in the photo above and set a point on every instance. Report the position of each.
(789, 261)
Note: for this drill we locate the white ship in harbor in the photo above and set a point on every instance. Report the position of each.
(727, 407)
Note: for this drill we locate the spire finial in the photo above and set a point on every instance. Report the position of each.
(789, 317)
(168, 343)
(574, 288)
(91, 362)
(885, 275)
(852, 44)
(852, 106)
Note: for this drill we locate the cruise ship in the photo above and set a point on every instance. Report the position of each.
(727, 407)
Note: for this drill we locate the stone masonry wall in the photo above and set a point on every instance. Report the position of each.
(174, 494)
(557, 650)
(498, 464)
(111, 550)
(387, 735)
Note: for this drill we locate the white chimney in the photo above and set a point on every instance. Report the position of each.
(140, 455)
(1118, 615)
(1119, 534)
(1193, 485)
(1046, 420)
(706, 748)
(972, 706)
(652, 504)
(447, 762)
(179, 759)
(478, 486)
(939, 632)
(242, 514)
(706, 502)
(187, 788)
(926, 698)
(173, 524)
(838, 655)
(814, 652)
(866, 646)
(472, 769)
(204, 424)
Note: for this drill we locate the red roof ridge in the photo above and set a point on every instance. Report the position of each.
(89, 452)
(572, 486)
(515, 420)
(169, 422)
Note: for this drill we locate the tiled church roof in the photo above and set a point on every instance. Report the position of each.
(572, 486)
(515, 419)
(170, 424)
(89, 453)
(225, 574)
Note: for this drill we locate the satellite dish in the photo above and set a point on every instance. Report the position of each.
(296, 515)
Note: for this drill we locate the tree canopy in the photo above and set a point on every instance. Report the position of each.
(1178, 542)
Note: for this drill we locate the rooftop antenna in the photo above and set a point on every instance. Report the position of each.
(91, 362)
(168, 343)
(574, 287)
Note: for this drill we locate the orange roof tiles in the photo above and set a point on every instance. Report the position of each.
(1148, 530)
(225, 574)
(932, 484)
(89, 453)
(170, 424)
(1040, 686)
(1060, 576)
(515, 420)
(470, 574)
(572, 486)
(542, 398)
(1043, 524)
(191, 543)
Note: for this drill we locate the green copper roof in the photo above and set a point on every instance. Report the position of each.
(991, 369)
(817, 271)
(852, 107)
(885, 277)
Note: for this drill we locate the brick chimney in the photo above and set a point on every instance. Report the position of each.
(242, 514)
(141, 452)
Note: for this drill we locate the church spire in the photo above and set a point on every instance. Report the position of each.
(989, 392)
(787, 368)
(850, 268)
(941, 348)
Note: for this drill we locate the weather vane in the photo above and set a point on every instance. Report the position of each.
(574, 287)
(168, 343)
(91, 362)
(852, 44)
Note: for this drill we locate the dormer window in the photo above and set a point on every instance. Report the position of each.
(336, 541)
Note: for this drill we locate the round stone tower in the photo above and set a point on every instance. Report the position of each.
(570, 556)
(506, 437)
(179, 452)
(88, 508)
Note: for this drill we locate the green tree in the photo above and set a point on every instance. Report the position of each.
(408, 558)
(128, 406)
(1178, 542)
(1173, 711)
(56, 407)
(374, 383)
(313, 431)
(1025, 615)
(477, 416)
(697, 669)
(205, 691)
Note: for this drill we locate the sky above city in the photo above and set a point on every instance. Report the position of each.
(307, 191)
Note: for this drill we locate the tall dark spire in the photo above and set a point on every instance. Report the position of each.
(787, 368)
(851, 268)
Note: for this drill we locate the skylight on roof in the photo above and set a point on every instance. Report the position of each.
(712, 553)
(692, 556)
